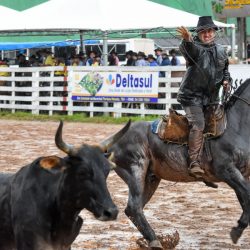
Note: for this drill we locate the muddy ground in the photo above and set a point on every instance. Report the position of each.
(202, 216)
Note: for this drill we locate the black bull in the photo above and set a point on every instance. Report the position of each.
(40, 204)
(143, 160)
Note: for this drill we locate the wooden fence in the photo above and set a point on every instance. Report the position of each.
(38, 90)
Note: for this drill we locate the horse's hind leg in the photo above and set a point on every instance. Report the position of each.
(142, 185)
(232, 176)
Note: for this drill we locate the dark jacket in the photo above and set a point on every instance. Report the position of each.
(130, 62)
(165, 61)
(207, 67)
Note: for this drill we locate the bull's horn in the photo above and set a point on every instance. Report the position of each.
(112, 164)
(68, 149)
(107, 143)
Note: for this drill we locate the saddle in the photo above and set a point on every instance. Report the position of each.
(175, 128)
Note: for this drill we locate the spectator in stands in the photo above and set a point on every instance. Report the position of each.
(67, 58)
(39, 57)
(21, 61)
(59, 61)
(49, 59)
(135, 56)
(158, 54)
(34, 62)
(152, 60)
(82, 59)
(97, 60)
(4, 64)
(75, 61)
(113, 59)
(175, 60)
(165, 62)
(141, 59)
(91, 57)
(130, 59)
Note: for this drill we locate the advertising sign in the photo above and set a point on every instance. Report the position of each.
(231, 8)
(115, 86)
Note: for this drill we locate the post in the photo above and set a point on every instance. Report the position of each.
(82, 49)
(241, 24)
(105, 48)
(35, 94)
(233, 40)
(105, 59)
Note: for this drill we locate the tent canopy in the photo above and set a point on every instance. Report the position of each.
(96, 18)
(31, 45)
(97, 15)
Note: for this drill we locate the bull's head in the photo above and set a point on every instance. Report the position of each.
(86, 173)
(104, 145)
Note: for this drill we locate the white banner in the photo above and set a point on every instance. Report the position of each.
(115, 86)
(239, 73)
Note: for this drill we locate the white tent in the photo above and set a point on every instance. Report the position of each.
(9, 18)
(105, 16)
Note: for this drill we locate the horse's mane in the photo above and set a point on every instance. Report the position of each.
(237, 92)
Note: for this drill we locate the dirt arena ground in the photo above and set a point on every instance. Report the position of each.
(202, 216)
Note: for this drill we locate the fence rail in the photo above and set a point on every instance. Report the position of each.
(38, 90)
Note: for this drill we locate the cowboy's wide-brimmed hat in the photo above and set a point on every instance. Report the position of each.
(141, 54)
(150, 56)
(205, 22)
(158, 49)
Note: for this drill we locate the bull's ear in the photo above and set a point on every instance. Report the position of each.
(52, 163)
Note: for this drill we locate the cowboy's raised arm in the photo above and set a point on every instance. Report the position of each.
(185, 34)
(187, 47)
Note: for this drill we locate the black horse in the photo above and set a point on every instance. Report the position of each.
(143, 159)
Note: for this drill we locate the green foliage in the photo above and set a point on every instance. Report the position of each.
(217, 7)
(23, 116)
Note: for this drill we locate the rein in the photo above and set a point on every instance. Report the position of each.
(242, 99)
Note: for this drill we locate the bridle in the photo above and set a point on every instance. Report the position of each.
(242, 99)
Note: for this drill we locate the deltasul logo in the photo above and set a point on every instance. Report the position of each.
(110, 80)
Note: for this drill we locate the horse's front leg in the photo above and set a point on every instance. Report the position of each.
(236, 232)
(142, 184)
(233, 177)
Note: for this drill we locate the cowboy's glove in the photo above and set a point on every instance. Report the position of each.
(226, 86)
(184, 33)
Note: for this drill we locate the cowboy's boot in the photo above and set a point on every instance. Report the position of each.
(195, 144)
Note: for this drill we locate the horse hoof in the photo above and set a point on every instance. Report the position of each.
(155, 245)
(235, 234)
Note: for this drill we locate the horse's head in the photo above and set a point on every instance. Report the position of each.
(241, 92)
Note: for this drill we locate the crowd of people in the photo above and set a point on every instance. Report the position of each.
(159, 59)
(45, 57)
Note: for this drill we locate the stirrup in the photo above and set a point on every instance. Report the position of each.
(195, 170)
